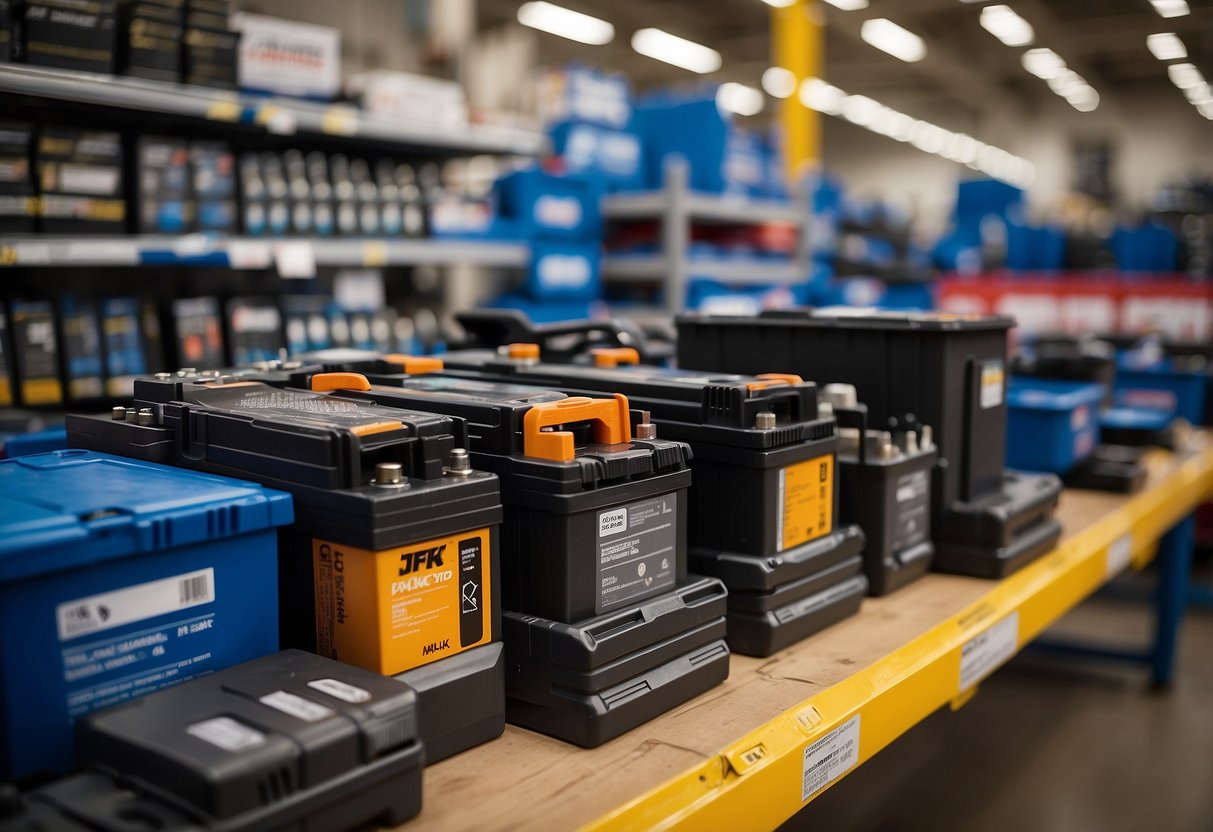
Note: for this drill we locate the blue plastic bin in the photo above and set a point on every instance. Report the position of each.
(1051, 425)
(550, 207)
(721, 158)
(38, 442)
(119, 578)
(565, 271)
(1164, 387)
(615, 155)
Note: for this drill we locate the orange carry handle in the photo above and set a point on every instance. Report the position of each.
(609, 417)
(773, 380)
(526, 351)
(415, 365)
(326, 382)
(614, 356)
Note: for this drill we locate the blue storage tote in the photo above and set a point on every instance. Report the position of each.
(1165, 387)
(37, 442)
(565, 271)
(1051, 425)
(720, 157)
(119, 578)
(615, 155)
(550, 207)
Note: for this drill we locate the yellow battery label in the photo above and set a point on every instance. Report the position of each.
(806, 501)
(395, 609)
(38, 391)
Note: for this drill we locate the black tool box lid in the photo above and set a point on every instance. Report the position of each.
(841, 318)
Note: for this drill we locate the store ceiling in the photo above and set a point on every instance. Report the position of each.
(1103, 40)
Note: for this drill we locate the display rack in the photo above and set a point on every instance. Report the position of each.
(734, 758)
(268, 114)
(677, 208)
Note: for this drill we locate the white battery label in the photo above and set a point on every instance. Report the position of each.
(830, 757)
(340, 690)
(637, 548)
(992, 380)
(226, 733)
(107, 610)
(984, 653)
(296, 706)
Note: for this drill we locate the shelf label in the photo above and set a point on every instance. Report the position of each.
(830, 757)
(1120, 553)
(296, 259)
(223, 111)
(984, 653)
(249, 254)
(339, 121)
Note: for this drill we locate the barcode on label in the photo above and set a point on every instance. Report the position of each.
(194, 587)
(830, 757)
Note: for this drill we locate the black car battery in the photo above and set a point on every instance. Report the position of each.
(392, 562)
(763, 510)
(912, 369)
(885, 484)
(289, 741)
(1111, 466)
(594, 536)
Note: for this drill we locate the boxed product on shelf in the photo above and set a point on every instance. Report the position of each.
(580, 94)
(149, 43)
(7, 378)
(198, 332)
(616, 155)
(547, 206)
(212, 167)
(83, 366)
(108, 593)
(70, 34)
(18, 203)
(420, 99)
(254, 330)
(130, 332)
(564, 270)
(80, 181)
(163, 170)
(288, 57)
(1052, 425)
(389, 523)
(210, 48)
(35, 352)
(340, 745)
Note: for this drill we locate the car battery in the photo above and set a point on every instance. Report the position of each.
(1052, 425)
(165, 203)
(884, 483)
(198, 332)
(118, 578)
(763, 511)
(149, 43)
(912, 369)
(18, 202)
(254, 330)
(594, 531)
(7, 382)
(288, 741)
(131, 339)
(392, 563)
(80, 181)
(70, 34)
(36, 350)
(80, 339)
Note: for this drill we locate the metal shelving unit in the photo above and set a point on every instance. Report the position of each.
(677, 208)
(38, 250)
(285, 116)
(753, 752)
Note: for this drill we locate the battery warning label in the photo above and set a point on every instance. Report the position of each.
(395, 609)
(806, 501)
(636, 551)
(912, 513)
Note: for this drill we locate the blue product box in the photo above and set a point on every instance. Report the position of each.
(578, 93)
(721, 158)
(1051, 424)
(550, 207)
(1144, 419)
(565, 271)
(119, 578)
(615, 155)
(38, 442)
(1164, 387)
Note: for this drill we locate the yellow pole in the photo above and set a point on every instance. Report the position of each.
(798, 44)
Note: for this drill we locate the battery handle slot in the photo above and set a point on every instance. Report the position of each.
(609, 418)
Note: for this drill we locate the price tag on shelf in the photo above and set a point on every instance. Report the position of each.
(224, 111)
(249, 254)
(295, 260)
(374, 253)
(1120, 554)
(830, 757)
(985, 652)
(340, 121)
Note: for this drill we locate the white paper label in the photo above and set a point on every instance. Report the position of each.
(992, 378)
(830, 757)
(1120, 553)
(983, 653)
(296, 259)
(296, 706)
(340, 690)
(135, 603)
(226, 733)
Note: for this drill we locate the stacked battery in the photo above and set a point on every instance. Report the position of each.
(604, 628)
(391, 564)
(763, 506)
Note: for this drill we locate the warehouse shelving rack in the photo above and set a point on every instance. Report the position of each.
(781, 730)
(677, 207)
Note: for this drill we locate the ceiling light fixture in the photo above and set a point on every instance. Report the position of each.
(1185, 76)
(1171, 8)
(739, 99)
(779, 4)
(680, 52)
(566, 23)
(1003, 23)
(823, 97)
(1043, 63)
(848, 5)
(1166, 46)
(779, 82)
(898, 41)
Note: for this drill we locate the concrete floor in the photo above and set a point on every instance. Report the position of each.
(1051, 745)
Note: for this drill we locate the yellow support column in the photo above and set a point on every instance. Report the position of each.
(798, 44)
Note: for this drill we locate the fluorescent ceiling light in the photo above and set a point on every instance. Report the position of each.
(566, 23)
(1065, 81)
(1083, 98)
(1166, 46)
(779, 4)
(1043, 63)
(779, 82)
(1200, 94)
(1003, 23)
(1206, 110)
(847, 5)
(680, 52)
(1171, 8)
(739, 99)
(818, 95)
(1185, 76)
(887, 36)
(861, 110)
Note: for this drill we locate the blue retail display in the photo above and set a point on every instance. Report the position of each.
(1051, 425)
